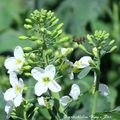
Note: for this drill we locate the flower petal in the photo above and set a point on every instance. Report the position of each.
(85, 61)
(18, 52)
(18, 99)
(75, 91)
(21, 83)
(10, 63)
(41, 101)
(50, 71)
(65, 100)
(9, 94)
(8, 108)
(40, 88)
(104, 90)
(37, 73)
(13, 79)
(54, 86)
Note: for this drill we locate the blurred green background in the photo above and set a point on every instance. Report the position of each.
(79, 17)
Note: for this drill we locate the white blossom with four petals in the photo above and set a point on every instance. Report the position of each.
(15, 92)
(45, 78)
(15, 63)
(82, 62)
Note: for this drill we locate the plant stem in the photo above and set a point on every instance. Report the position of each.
(25, 118)
(96, 84)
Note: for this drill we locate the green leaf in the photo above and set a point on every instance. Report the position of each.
(84, 72)
(9, 40)
(9, 12)
(77, 13)
(2, 106)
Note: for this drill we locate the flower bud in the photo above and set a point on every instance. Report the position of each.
(113, 49)
(39, 42)
(95, 52)
(27, 26)
(28, 20)
(28, 74)
(27, 67)
(83, 48)
(112, 42)
(49, 51)
(59, 26)
(27, 48)
(54, 22)
(33, 38)
(32, 56)
(23, 37)
(89, 37)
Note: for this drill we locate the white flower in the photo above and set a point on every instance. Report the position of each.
(15, 63)
(15, 93)
(64, 51)
(45, 80)
(75, 91)
(8, 108)
(83, 62)
(103, 89)
(41, 101)
(65, 100)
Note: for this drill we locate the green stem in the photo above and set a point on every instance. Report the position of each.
(96, 84)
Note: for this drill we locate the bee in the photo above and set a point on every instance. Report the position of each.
(79, 40)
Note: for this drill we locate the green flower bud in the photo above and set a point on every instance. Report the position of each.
(95, 52)
(39, 42)
(89, 37)
(32, 56)
(30, 61)
(113, 49)
(27, 26)
(27, 67)
(59, 26)
(33, 38)
(54, 22)
(112, 42)
(23, 37)
(26, 54)
(58, 33)
(64, 39)
(42, 29)
(27, 48)
(49, 51)
(28, 20)
(28, 74)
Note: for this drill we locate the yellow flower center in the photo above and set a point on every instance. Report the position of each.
(18, 88)
(18, 61)
(46, 79)
(78, 63)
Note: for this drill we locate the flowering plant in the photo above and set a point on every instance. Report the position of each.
(47, 65)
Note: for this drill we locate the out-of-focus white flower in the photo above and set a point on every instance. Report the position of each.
(41, 101)
(15, 63)
(104, 90)
(45, 80)
(8, 108)
(65, 100)
(75, 91)
(64, 51)
(15, 92)
(83, 62)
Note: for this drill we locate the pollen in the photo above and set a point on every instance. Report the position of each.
(18, 61)
(18, 88)
(46, 79)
